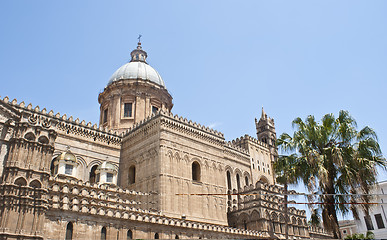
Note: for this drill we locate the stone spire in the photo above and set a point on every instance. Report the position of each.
(138, 55)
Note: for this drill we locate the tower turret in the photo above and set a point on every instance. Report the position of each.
(266, 129)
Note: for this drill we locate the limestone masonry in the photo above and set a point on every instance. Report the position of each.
(142, 173)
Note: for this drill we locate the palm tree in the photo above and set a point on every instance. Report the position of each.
(334, 158)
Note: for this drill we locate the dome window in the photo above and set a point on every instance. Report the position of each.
(128, 110)
(105, 115)
(155, 109)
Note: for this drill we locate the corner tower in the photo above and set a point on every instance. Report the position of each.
(134, 92)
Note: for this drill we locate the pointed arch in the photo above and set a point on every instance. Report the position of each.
(21, 181)
(43, 139)
(129, 234)
(238, 180)
(69, 231)
(228, 176)
(196, 171)
(92, 174)
(30, 136)
(264, 179)
(35, 184)
(103, 233)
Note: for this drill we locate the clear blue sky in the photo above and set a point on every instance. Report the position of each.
(221, 60)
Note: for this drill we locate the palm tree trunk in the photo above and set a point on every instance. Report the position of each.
(286, 209)
(333, 222)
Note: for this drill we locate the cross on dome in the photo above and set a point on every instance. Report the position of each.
(138, 55)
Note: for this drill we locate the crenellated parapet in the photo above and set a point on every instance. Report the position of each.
(236, 152)
(63, 123)
(243, 141)
(177, 123)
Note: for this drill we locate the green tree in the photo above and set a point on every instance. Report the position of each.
(357, 236)
(335, 161)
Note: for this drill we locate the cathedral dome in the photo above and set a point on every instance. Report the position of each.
(137, 68)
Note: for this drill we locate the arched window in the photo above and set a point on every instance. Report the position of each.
(264, 179)
(21, 181)
(157, 236)
(132, 174)
(92, 175)
(247, 181)
(229, 186)
(69, 231)
(176, 236)
(238, 179)
(103, 233)
(195, 171)
(30, 136)
(129, 234)
(35, 184)
(52, 168)
(43, 140)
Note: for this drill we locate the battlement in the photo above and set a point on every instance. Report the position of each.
(233, 147)
(243, 139)
(180, 122)
(67, 122)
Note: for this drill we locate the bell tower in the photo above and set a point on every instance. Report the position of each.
(266, 130)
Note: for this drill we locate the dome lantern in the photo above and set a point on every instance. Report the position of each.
(138, 55)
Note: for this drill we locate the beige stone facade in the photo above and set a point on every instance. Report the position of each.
(142, 173)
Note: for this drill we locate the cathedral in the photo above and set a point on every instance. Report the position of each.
(142, 173)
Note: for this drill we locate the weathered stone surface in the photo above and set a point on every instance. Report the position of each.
(173, 174)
